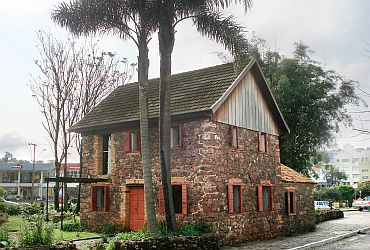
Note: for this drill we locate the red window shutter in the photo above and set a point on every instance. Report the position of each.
(231, 135)
(241, 198)
(138, 138)
(160, 200)
(259, 198)
(180, 136)
(259, 142)
(184, 200)
(271, 203)
(126, 142)
(106, 198)
(237, 137)
(93, 198)
(230, 198)
(267, 142)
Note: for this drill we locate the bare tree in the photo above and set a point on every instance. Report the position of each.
(71, 81)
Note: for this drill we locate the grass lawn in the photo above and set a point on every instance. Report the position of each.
(14, 223)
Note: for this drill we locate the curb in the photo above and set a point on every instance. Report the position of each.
(330, 240)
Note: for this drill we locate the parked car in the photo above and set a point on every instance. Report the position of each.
(322, 205)
(362, 204)
(8, 203)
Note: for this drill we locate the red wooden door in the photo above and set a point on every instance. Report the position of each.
(136, 208)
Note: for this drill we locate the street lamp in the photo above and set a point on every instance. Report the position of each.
(33, 169)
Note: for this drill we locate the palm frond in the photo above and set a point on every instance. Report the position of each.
(222, 29)
(222, 4)
(85, 17)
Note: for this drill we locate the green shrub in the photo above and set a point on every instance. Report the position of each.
(4, 235)
(189, 230)
(72, 226)
(35, 233)
(203, 227)
(13, 210)
(133, 235)
(32, 209)
(3, 218)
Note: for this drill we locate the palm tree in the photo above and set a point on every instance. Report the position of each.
(209, 22)
(129, 20)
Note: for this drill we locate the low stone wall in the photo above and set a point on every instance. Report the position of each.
(325, 215)
(179, 243)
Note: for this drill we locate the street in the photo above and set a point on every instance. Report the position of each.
(352, 221)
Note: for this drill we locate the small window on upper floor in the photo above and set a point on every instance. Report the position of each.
(107, 155)
(132, 141)
(176, 136)
(234, 136)
(263, 142)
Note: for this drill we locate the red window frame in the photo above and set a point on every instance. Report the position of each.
(184, 199)
(230, 198)
(259, 188)
(265, 141)
(94, 198)
(232, 128)
(127, 141)
(180, 136)
(291, 193)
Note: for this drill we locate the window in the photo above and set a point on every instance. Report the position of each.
(263, 142)
(175, 136)
(107, 156)
(364, 170)
(100, 198)
(235, 198)
(234, 136)
(179, 196)
(291, 203)
(355, 175)
(264, 198)
(354, 159)
(365, 177)
(131, 141)
(345, 160)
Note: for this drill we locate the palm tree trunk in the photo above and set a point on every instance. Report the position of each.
(166, 40)
(143, 68)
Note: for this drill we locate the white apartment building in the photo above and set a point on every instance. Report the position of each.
(355, 162)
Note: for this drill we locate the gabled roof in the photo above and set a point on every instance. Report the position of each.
(292, 176)
(191, 92)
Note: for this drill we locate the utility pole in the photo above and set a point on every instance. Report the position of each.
(33, 168)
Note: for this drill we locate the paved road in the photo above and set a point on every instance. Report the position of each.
(352, 221)
(358, 242)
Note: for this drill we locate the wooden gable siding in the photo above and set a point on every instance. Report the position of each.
(246, 107)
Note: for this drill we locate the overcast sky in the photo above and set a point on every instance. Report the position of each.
(337, 30)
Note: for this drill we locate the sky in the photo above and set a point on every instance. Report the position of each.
(336, 30)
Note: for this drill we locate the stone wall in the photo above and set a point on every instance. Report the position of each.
(165, 243)
(206, 163)
(324, 215)
(304, 218)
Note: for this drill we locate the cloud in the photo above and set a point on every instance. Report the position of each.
(12, 142)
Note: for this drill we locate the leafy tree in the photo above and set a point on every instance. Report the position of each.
(346, 193)
(311, 98)
(3, 192)
(209, 23)
(129, 20)
(327, 193)
(364, 187)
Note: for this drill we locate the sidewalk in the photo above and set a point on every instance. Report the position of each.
(351, 222)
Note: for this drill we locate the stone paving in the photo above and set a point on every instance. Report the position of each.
(352, 221)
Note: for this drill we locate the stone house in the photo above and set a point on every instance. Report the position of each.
(225, 154)
(298, 214)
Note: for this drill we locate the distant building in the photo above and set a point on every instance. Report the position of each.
(16, 179)
(73, 170)
(354, 162)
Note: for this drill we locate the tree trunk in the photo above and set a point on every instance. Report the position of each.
(78, 208)
(166, 37)
(143, 68)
